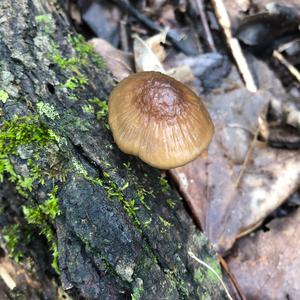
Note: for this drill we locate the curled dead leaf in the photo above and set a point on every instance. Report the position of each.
(119, 62)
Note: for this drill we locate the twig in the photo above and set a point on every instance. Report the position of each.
(8, 280)
(287, 64)
(204, 21)
(192, 255)
(124, 36)
(231, 277)
(151, 25)
(234, 45)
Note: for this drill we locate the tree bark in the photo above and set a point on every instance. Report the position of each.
(123, 232)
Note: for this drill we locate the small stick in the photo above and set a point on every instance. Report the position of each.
(234, 45)
(236, 285)
(124, 36)
(287, 64)
(8, 280)
(151, 25)
(204, 21)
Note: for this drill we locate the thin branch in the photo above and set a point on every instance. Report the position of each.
(234, 45)
(294, 71)
(124, 36)
(232, 278)
(151, 25)
(204, 21)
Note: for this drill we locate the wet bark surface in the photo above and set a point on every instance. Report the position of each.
(123, 231)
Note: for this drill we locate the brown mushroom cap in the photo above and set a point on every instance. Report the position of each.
(159, 119)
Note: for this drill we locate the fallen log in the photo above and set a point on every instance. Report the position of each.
(115, 227)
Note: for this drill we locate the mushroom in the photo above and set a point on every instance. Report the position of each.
(159, 119)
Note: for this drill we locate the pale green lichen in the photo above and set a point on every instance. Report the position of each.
(3, 96)
(125, 270)
(47, 109)
(46, 23)
(7, 81)
(79, 168)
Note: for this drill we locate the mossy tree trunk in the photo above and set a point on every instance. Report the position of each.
(115, 225)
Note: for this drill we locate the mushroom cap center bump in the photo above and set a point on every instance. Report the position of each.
(159, 119)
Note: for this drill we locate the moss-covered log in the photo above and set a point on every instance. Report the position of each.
(114, 226)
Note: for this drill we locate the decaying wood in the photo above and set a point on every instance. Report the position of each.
(123, 232)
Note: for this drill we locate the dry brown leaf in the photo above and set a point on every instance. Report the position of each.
(183, 73)
(144, 58)
(224, 210)
(155, 44)
(267, 264)
(119, 62)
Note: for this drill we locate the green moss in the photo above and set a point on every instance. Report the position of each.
(171, 203)
(136, 293)
(164, 222)
(48, 110)
(199, 275)
(15, 134)
(12, 236)
(205, 296)
(3, 96)
(23, 131)
(73, 82)
(147, 223)
(75, 122)
(129, 205)
(23, 136)
(140, 194)
(178, 283)
(43, 216)
(127, 166)
(73, 63)
(166, 225)
(112, 190)
(80, 170)
(47, 18)
(88, 109)
(165, 187)
(85, 51)
(102, 108)
(213, 263)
